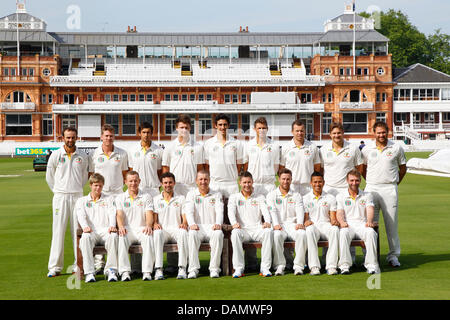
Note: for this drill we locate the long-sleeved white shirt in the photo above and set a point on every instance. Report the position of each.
(99, 214)
(206, 209)
(248, 211)
(285, 209)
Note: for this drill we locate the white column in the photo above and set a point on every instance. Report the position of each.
(440, 121)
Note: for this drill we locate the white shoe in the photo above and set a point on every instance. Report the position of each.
(181, 273)
(125, 276)
(214, 274)
(279, 271)
(373, 270)
(52, 274)
(89, 278)
(345, 269)
(265, 273)
(111, 275)
(238, 274)
(159, 274)
(332, 271)
(193, 275)
(394, 262)
(298, 271)
(146, 276)
(315, 271)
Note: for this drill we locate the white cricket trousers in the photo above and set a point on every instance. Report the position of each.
(63, 205)
(215, 239)
(136, 236)
(260, 234)
(360, 231)
(279, 237)
(263, 188)
(324, 231)
(302, 188)
(386, 198)
(178, 236)
(102, 237)
(225, 188)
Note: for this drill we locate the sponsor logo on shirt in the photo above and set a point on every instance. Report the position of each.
(348, 202)
(389, 154)
(269, 149)
(153, 156)
(176, 204)
(240, 203)
(310, 205)
(347, 155)
(278, 201)
(140, 203)
(127, 204)
(307, 152)
(89, 205)
(198, 200)
(291, 201)
(324, 204)
(62, 160)
(254, 203)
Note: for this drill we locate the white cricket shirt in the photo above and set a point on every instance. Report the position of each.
(169, 213)
(97, 215)
(300, 160)
(110, 167)
(207, 209)
(182, 160)
(319, 208)
(248, 211)
(287, 208)
(354, 208)
(337, 164)
(146, 163)
(134, 208)
(262, 160)
(382, 165)
(67, 174)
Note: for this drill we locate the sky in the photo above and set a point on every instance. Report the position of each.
(218, 15)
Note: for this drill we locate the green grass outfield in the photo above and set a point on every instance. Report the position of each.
(25, 234)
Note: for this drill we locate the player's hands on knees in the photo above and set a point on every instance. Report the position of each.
(299, 226)
(87, 230)
(183, 226)
(157, 226)
(236, 226)
(277, 227)
(112, 229)
(308, 223)
(371, 224)
(148, 230)
(194, 227)
(344, 225)
(122, 231)
(266, 225)
(217, 227)
(334, 222)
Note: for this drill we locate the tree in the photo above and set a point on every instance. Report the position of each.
(439, 51)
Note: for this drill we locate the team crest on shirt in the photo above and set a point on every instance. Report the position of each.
(62, 160)
(269, 149)
(291, 201)
(176, 204)
(140, 203)
(348, 203)
(78, 160)
(117, 159)
(89, 205)
(278, 201)
(324, 204)
(362, 202)
(389, 154)
(153, 156)
(192, 151)
(307, 152)
(212, 201)
(198, 200)
(102, 204)
(127, 204)
(254, 203)
(240, 203)
(347, 155)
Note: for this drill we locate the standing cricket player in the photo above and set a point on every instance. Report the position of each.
(170, 225)
(320, 208)
(301, 157)
(245, 211)
(262, 158)
(384, 169)
(355, 213)
(67, 173)
(96, 214)
(183, 157)
(223, 158)
(135, 223)
(204, 213)
(339, 157)
(286, 207)
(146, 159)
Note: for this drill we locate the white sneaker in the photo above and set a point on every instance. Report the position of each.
(315, 271)
(345, 269)
(238, 274)
(52, 274)
(192, 275)
(214, 274)
(332, 271)
(265, 273)
(159, 274)
(394, 262)
(146, 276)
(181, 273)
(125, 276)
(89, 278)
(373, 270)
(279, 271)
(298, 271)
(111, 275)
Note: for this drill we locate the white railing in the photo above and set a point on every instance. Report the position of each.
(18, 106)
(356, 105)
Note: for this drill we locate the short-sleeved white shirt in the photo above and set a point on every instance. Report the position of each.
(146, 163)
(207, 209)
(287, 208)
(300, 161)
(97, 215)
(248, 211)
(337, 164)
(222, 159)
(319, 208)
(169, 213)
(67, 174)
(182, 160)
(134, 209)
(355, 208)
(110, 167)
(382, 165)
(262, 160)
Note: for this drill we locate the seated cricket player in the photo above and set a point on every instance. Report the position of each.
(245, 210)
(286, 208)
(135, 222)
(170, 226)
(320, 208)
(204, 213)
(96, 215)
(355, 213)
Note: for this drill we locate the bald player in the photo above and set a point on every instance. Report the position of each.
(301, 157)
(384, 169)
(67, 173)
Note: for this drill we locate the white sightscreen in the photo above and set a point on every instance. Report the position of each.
(89, 126)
